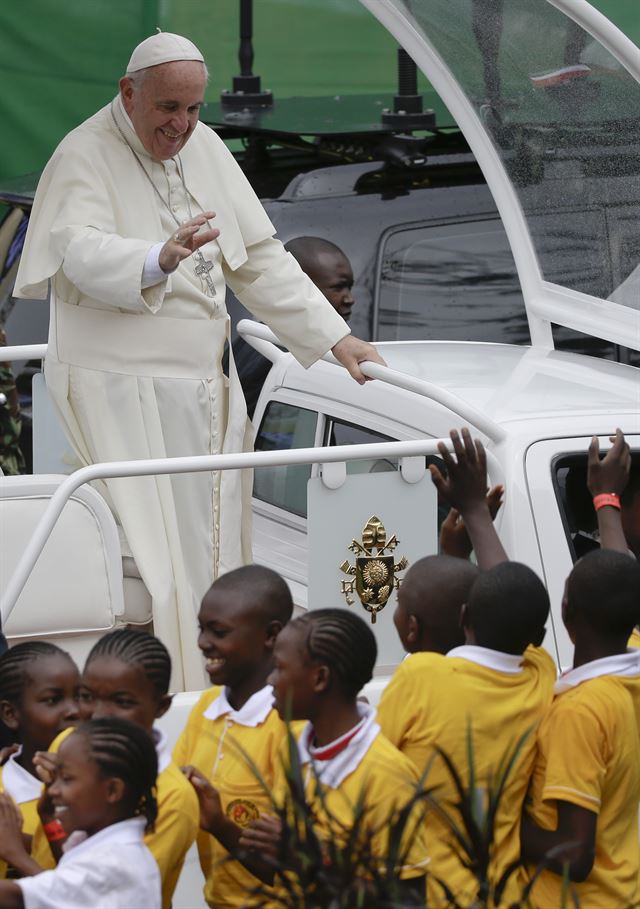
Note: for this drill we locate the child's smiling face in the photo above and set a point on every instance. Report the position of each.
(234, 638)
(83, 798)
(49, 702)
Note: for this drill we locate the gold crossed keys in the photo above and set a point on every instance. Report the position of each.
(376, 573)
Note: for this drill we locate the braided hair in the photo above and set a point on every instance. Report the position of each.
(125, 750)
(343, 642)
(14, 667)
(137, 648)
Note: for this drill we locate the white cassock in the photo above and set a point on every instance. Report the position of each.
(137, 373)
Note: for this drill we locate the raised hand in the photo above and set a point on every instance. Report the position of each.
(465, 486)
(611, 473)
(465, 489)
(185, 240)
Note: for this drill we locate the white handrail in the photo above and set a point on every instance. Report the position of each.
(195, 464)
(469, 414)
(22, 352)
(250, 330)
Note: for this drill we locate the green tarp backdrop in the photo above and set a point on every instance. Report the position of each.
(60, 59)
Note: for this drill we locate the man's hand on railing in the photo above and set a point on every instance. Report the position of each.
(351, 352)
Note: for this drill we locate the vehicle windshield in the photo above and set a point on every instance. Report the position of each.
(564, 116)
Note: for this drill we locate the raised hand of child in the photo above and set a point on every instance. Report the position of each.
(263, 836)
(611, 473)
(465, 486)
(454, 538)
(465, 489)
(607, 477)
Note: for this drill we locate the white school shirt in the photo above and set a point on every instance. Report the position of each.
(112, 869)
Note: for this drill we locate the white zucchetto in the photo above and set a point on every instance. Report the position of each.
(164, 47)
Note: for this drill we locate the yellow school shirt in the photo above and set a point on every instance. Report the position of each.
(25, 791)
(178, 819)
(217, 744)
(432, 700)
(588, 754)
(380, 777)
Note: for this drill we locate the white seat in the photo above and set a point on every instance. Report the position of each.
(78, 589)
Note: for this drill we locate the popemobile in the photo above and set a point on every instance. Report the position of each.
(546, 93)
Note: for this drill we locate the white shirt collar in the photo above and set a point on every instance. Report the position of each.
(161, 741)
(626, 665)
(126, 832)
(490, 659)
(252, 713)
(333, 771)
(21, 785)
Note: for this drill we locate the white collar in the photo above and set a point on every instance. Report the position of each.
(21, 785)
(626, 665)
(127, 833)
(120, 114)
(491, 659)
(333, 771)
(252, 713)
(161, 741)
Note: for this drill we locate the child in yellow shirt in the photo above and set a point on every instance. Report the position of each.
(429, 600)
(586, 779)
(496, 688)
(322, 660)
(234, 723)
(127, 675)
(38, 699)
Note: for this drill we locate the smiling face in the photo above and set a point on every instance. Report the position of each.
(83, 798)
(49, 702)
(236, 641)
(112, 687)
(164, 107)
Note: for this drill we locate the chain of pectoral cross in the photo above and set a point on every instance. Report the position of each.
(203, 266)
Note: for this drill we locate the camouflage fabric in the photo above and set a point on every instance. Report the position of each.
(11, 457)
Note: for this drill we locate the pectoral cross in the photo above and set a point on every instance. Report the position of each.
(202, 270)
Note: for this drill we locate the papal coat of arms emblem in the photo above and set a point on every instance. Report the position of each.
(376, 572)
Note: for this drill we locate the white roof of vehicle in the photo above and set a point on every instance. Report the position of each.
(506, 383)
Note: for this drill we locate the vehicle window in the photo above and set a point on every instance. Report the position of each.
(285, 426)
(562, 113)
(576, 506)
(339, 433)
(450, 282)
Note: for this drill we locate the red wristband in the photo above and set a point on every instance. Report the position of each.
(606, 498)
(54, 831)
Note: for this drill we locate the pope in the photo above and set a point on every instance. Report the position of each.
(141, 219)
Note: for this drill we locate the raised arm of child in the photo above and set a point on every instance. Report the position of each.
(465, 489)
(609, 476)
